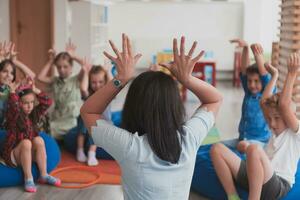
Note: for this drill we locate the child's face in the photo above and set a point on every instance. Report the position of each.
(97, 81)
(27, 103)
(275, 121)
(6, 74)
(254, 83)
(64, 68)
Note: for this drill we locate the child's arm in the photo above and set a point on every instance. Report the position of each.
(44, 102)
(71, 49)
(268, 91)
(13, 105)
(245, 54)
(25, 69)
(98, 102)
(44, 76)
(84, 84)
(259, 58)
(182, 68)
(285, 99)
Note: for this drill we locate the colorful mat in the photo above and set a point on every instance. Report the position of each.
(78, 175)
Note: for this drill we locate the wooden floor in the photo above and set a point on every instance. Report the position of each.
(227, 123)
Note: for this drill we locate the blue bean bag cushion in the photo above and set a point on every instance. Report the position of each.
(206, 182)
(70, 144)
(70, 139)
(14, 176)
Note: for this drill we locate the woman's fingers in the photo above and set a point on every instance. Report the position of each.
(175, 49)
(124, 44)
(182, 46)
(192, 49)
(197, 58)
(129, 47)
(115, 49)
(109, 56)
(137, 57)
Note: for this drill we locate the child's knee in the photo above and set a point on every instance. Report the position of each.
(38, 141)
(26, 144)
(253, 151)
(216, 149)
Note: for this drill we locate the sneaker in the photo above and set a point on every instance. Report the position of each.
(49, 180)
(29, 186)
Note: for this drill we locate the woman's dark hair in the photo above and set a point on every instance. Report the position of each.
(9, 62)
(34, 117)
(64, 56)
(153, 107)
(96, 69)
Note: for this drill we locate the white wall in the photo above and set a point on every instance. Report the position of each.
(4, 20)
(261, 22)
(61, 28)
(152, 26)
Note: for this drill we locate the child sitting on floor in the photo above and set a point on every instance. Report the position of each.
(94, 78)
(253, 126)
(8, 65)
(268, 173)
(23, 143)
(65, 88)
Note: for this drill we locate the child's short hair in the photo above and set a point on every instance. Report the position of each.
(96, 69)
(64, 56)
(252, 69)
(273, 102)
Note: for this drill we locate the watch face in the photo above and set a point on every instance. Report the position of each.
(117, 83)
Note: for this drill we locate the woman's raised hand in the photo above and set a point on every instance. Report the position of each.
(125, 60)
(183, 64)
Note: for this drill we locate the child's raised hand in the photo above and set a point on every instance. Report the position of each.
(183, 64)
(12, 52)
(257, 49)
(70, 49)
(86, 65)
(34, 88)
(293, 63)
(51, 54)
(5, 49)
(271, 69)
(240, 43)
(125, 60)
(13, 86)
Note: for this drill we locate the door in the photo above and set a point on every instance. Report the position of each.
(32, 31)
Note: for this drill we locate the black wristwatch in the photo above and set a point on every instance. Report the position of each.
(117, 83)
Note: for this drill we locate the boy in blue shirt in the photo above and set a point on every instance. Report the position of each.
(253, 127)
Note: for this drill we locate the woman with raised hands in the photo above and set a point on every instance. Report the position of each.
(155, 148)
